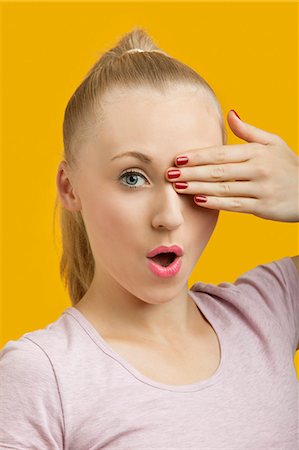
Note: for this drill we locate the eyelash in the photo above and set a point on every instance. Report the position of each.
(131, 172)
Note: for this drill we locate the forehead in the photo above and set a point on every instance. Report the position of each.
(134, 103)
(143, 118)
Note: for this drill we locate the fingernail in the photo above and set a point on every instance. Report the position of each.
(181, 185)
(200, 198)
(236, 114)
(173, 174)
(180, 160)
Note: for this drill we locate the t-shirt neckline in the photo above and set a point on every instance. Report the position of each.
(201, 303)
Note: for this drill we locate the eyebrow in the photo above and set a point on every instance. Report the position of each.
(138, 155)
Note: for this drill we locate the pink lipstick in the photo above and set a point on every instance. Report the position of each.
(165, 261)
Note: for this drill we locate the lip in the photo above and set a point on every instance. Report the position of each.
(177, 249)
(165, 272)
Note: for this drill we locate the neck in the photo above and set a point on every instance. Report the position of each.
(128, 317)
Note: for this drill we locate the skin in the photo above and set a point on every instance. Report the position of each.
(259, 177)
(123, 224)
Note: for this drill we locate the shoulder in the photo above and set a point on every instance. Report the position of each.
(34, 350)
(23, 359)
(266, 294)
(31, 409)
(27, 375)
(274, 287)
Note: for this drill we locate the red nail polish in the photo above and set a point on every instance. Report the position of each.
(180, 160)
(173, 174)
(181, 185)
(236, 114)
(200, 198)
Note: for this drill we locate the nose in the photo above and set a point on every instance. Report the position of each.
(167, 208)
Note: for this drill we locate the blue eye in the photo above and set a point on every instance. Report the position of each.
(130, 174)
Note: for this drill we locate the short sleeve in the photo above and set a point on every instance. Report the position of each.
(30, 407)
(276, 285)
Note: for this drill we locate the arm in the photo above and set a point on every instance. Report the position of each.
(296, 262)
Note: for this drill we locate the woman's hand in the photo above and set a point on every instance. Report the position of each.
(259, 177)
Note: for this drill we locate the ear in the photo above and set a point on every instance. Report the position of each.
(68, 197)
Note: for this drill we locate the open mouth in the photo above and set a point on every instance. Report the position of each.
(164, 259)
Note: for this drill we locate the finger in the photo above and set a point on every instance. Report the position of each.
(223, 189)
(234, 204)
(249, 132)
(225, 172)
(218, 154)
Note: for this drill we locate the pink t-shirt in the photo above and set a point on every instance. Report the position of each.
(64, 387)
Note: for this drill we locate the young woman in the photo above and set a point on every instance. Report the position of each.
(139, 361)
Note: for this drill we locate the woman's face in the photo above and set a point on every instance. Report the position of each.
(127, 215)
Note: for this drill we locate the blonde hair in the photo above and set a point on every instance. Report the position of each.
(117, 69)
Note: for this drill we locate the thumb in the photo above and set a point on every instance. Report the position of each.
(248, 132)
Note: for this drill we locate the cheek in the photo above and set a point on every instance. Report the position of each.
(110, 218)
(202, 224)
(210, 221)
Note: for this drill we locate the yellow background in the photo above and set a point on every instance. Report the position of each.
(246, 51)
